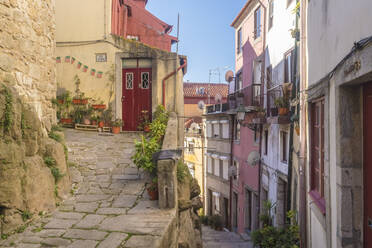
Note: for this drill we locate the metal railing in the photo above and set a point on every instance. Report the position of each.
(248, 96)
(221, 107)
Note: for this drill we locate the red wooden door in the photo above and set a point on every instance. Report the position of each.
(368, 165)
(136, 96)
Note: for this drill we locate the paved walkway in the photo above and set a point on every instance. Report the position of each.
(109, 207)
(216, 239)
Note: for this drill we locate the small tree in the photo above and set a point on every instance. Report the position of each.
(274, 237)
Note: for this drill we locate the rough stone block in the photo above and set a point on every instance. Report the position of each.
(89, 207)
(83, 243)
(56, 242)
(90, 221)
(142, 242)
(58, 224)
(167, 184)
(85, 234)
(124, 201)
(113, 240)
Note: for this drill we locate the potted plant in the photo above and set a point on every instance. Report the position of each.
(152, 189)
(282, 104)
(261, 112)
(106, 116)
(94, 120)
(144, 121)
(99, 106)
(116, 125)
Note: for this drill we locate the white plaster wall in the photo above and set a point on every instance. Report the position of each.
(279, 39)
(334, 25)
(318, 237)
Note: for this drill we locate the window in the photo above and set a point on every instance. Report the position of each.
(225, 172)
(239, 41)
(257, 72)
(288, 77)
(236, 169)
(216, 167)
(216, 130)
(257, 23)
(239, 81)
(145, 80)
(221, 168)
(266, 141)
(209, 163)
(225, 130)
(191, 147)
(237, 130)
(256, 135)
(129, 80)
(284, 146)
(317, 153)
(271, 14)
(209, 130)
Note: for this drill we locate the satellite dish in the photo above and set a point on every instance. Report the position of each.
(253, 158)
(201, 105)
(218, 98)
(229, 76)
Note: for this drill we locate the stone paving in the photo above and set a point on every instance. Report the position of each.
(216, 239)
(108, 207)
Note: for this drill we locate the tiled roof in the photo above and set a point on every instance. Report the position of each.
(205, 89)
(190, 121)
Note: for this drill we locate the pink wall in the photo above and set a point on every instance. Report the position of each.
(248, 175)
(140, 23)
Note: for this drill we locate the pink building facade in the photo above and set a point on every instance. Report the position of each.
(246, 97)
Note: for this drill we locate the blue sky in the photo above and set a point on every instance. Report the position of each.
(205, 33)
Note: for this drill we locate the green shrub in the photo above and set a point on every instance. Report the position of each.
(55, 136)
(182, 170)
(56, 128)
(26, 215)
(49, 161)
(56, 174)
(273, 237)
(148, 146)
(216, 222)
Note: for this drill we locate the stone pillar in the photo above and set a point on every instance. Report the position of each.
(167, 183)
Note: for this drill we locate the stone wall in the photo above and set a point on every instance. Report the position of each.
(180, 194)
(27, 84)
(27, 30)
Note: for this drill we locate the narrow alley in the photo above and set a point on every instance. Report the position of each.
(108, 208)
(223, 239)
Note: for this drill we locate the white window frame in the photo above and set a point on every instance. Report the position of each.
(126, 80)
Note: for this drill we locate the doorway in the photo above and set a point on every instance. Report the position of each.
(136, 96)
(367, 165)
(248, 211)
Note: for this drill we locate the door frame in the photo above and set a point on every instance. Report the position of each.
(366, 87)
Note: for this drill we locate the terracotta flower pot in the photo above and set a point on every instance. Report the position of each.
(86, 121)
(66, 121)
(283, 111)
(115, 130)
(146, 129)
(94, 122)
(99, 106)
(297, 130)
(154, 194)
(101, 124)
(61, 101)
(80, 101)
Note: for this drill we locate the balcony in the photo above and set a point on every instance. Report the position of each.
(217, 108)
(249, 97)
(278, 95)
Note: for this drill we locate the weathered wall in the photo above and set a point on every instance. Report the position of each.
(329, 42)
(27, 85)
(27, 31)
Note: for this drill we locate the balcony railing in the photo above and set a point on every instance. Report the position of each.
(248, 96)
(221, 107)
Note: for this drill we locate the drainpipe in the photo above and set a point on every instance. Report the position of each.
(303, 133)
(260, 177)
(231, 164)
(167, 77)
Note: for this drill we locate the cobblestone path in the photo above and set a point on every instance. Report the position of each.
(216, 239)
(109, 206)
